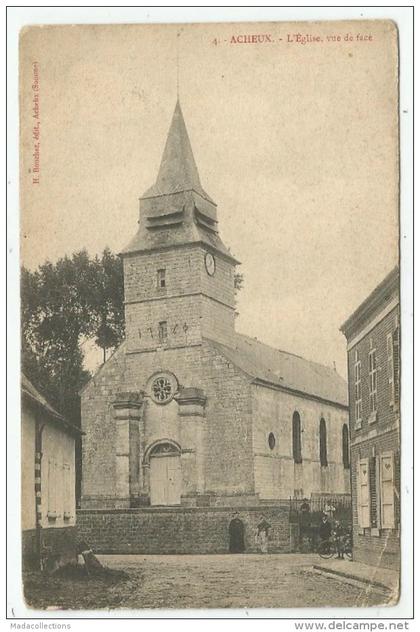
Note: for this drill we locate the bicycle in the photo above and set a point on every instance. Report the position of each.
(328, 548)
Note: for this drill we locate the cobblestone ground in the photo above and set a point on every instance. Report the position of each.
(207, 581)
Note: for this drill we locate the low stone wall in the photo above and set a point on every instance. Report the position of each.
(179, 530)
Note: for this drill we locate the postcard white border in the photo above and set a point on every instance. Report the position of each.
(20, 16)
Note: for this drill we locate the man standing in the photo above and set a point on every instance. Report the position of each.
(339, 539)
(324, 530)
(262, 534)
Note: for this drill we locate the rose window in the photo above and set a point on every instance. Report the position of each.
(162, 389)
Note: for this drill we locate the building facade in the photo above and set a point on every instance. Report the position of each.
(48, 502)
(373, 335)
(189, 418)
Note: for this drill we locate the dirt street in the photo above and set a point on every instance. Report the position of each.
(202, 581)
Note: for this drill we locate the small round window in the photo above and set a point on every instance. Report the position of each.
(162, 389)
(271, 441)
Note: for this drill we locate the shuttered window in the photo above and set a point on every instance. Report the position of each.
(397, 488)
(373, 492)
(345, 446)
(357, 390)
(52, 488)
(67, 489)
(396, 362)
(363, 501)
(372, 380)
(387, 490)
(390, 366)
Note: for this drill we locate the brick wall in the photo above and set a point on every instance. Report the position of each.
(179, 530)
(378, 547)
(385, 411)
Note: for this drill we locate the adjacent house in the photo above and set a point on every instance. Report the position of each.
(48, 502)
(373, 346)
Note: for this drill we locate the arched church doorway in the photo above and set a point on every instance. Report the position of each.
(165, 475)
(236, 536)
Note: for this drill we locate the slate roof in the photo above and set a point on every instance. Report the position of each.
(177, 192)
(284, 369)
(29, 391)
(374, 302)
(187, 233)
(178, 171)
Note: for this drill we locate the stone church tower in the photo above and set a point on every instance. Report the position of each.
(179, 276)
(187, 415)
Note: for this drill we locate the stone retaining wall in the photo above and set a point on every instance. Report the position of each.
(175, 530)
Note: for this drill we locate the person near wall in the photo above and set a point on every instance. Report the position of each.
(329, 509)
(262, 534)
(339, 537)
(324, 529)
(305, 532)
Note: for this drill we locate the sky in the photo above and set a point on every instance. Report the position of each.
(296, 143)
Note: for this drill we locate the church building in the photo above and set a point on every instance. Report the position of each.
(190, 425)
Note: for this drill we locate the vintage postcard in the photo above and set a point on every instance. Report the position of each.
(210, 298)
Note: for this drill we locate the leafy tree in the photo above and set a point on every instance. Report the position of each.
(107, 300)
(64, 304)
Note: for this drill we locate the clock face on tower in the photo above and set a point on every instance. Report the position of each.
(210, 263)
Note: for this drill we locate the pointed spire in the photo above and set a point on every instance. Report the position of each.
(178, 171)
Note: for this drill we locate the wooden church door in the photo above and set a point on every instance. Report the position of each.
(165, 478)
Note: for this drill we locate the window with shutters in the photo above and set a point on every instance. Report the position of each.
(373, 393)
(373, 493)
(297, 438)
(390, 366)
(345, 446)
(67, 491)
(363, 494)
(396, 364)
(397, 487)
(52, 489)
(357, 391)
(323, 457)
(387, 490)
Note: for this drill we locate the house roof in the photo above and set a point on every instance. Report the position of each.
(178, 170)
(30, 393)
(375, 301)
(285, 370)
